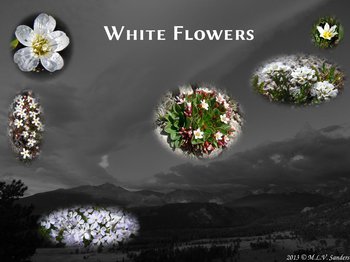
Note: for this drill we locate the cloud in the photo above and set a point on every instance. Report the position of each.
(276, 158)
(312, 156)
(104, 163)
(297, 158)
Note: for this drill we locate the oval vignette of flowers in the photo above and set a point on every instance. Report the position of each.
(298, 79)
(90, 227)
(198, 121)
(40, 46)
(26, 126)
(327, 32)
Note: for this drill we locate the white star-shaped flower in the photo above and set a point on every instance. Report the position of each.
(198, 134)
(23, 114)
(18, 109)
(25, 154)
(20, 102)
(204, 105)
(25, 134)
(31, 142)
(36, 121)
(18, 123)
(220, 98)
(41, 45)
(218, 135)
(327, 32)
(33, 105)
(33, 114)
(224, 119)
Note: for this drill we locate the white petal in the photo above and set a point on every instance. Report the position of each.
(26, 59)
(59, 40)
(44, 24)
(24, 35)
(333, 28)
(326, 27)
(53, 62)
(320, 30)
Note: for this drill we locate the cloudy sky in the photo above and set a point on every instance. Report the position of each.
(99, 109)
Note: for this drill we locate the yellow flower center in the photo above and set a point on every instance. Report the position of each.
(327, 34)
(40, 45)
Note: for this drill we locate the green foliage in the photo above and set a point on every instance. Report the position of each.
(331, 74)
(183, 118)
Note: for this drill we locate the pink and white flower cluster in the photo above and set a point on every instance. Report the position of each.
(199, 120)
(26, 126)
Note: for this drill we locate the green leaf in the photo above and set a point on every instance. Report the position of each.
(14, 43)
(197, 141)
(168, 128)
(331, 74)
(177, 143)
(174, 136)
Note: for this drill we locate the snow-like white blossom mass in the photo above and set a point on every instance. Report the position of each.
(298, 79)
(89, 226)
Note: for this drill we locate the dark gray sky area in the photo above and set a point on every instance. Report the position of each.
(99, 109)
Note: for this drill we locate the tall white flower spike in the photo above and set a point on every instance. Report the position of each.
(42, 44)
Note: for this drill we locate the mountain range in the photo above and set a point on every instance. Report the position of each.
(191, 208)
(279, 179)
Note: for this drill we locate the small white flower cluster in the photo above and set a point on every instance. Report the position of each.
(89, 226)
(273, 74)
(295, 79)
(324, 91)
(25, 126)
(275, 67)
(303, 75)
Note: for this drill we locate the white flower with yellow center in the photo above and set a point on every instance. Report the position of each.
(224, 119)
(41, 44)
(33, 105)
(31, 142)
(25, 134)
(218, 135)
(204, 105)
(33, 114)
(25, 154)
(36, 122)
(198, 134)
(18, 123)
(327, 32)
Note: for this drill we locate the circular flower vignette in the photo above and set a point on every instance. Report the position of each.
(89, 227)
(327, 32)
(37, 48)
(26, 126)
(198, 121)
(298, 79)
